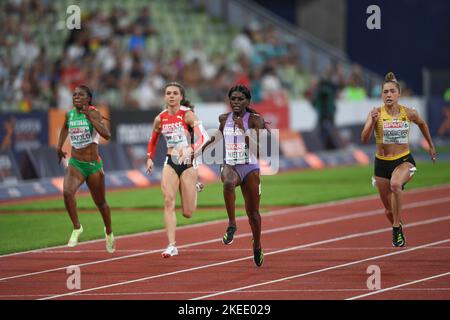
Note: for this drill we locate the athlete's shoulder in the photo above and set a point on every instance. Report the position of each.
(255, 116)
(163, 113)
(224, 116)
(408, 109)
(185, 109)
(410, 112)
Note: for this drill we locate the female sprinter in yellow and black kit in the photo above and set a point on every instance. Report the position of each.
(394, 164)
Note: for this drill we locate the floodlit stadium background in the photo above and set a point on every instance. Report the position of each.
(126, 51)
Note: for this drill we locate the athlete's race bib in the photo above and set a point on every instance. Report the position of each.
(395, 132)
(175, 136)
(80, 137)
(236, 153)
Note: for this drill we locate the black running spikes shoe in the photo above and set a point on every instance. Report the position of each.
(229, 234)
(398, 238)
(258, 257)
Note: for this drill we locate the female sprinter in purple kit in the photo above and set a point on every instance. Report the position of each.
(241, 166)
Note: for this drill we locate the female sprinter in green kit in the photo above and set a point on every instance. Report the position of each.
(84, 125)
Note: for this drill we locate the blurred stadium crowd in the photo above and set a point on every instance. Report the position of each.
(126, 53)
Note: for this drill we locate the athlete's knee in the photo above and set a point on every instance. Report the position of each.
(187, 213)
(229, 186)
(169, 201)
(102, 205)
(68, 193)
(396, 186)
(254, 216)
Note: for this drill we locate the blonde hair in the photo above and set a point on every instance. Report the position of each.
(390, 78)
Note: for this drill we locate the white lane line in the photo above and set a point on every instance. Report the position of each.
(238, 250)
(297, 209)
(399, 286)
(159, 293)
(268, 231)
(351, 236)
(320, 270)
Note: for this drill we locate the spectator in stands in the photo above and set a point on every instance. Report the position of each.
(243, 43)
(354, 89)
(25, 51)
(84, 125)
(178, 123)
(137, 40)
(144, 20)
(120, 21)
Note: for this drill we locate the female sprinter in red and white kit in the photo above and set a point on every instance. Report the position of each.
(178, 124)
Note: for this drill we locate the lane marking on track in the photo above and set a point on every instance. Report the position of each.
(239, 250)
(159, 293)
(268, 231)
(351, 236)
(321, 270)
(399, 286)
(297, 209)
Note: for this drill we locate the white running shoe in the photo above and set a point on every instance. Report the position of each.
(170, 251)
(73, 241)
(110, 242)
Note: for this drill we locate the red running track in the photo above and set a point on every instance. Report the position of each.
(312, 252)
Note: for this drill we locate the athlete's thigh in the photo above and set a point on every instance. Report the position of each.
(188, 190)
(229, 175)
(96, 185)
(384, 190)
(169, 182)
(402, 173)
(250, 189)
(72, 179)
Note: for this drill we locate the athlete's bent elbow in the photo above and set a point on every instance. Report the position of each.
(106, 135)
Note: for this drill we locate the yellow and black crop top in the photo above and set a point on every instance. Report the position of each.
(392, 130)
